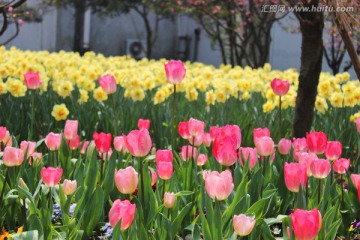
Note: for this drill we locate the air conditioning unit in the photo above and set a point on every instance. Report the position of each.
(136, 48)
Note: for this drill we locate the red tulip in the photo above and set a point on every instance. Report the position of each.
(164, 156)
(102, 141)
(169, 199)
(70, 129)
(196, 127)
(124, 211)
(143, 123)
(165, 170)
(333, 150)
(264, 146)
(295, 174)
(183, 130)
(108, 83)
(32, 80)
(138, 142)
(29, 147)
(175, 71)
(284, 146)
(74, 143)
(246, 154)
(320, 168)
(2, 133)
(224, 150)
(53, 141)
(214, 132)
(126, 180)
(279, 86)
(202, 159)
(13, 157)
(316, 142)
(51, 176)
(355, 178)
(232, 131)
(306, 224)
(341, 165)
(243, 225)
(219, 185)
(189, 154)
(260, 132)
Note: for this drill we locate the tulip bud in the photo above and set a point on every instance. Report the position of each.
(169, 199)
(124, 211)
(243, 225)
(284, 146)
(23, 185)
(69, 186)
(126, 180)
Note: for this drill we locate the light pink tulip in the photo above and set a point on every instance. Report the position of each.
(153, 178)
(69, 186)
(29, 146)
(138, 142)
(7, 138)
(126, 180)
(306, 159)
(165, 170)
(243, 225)
(108, 83)
(264, 146)
(320, 168)
(13, 156)
(196, 127)
(71, 129)
(247, 153)
(284, 146)
(206, 138)
(358, 124)
(51, 176)
(196, 141)
(32, 79)
(295, 174)
(189, 154)
(53, 141)
(260, 132)
(124, 211)
(74, 143)
(2, 133)
(143, 123)
(163, 156)
(299, 145)
(333, 150)
(36, 157)
(84, 146)
(341, 165)
(169, 200)
(120, 144)
(219, 185)
(175, 71)
(202, 159)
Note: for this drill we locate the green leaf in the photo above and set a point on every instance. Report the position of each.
(176, 224)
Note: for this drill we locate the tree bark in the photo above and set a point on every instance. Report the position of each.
(78, 45)
(311, 25)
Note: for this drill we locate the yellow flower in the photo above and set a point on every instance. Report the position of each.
(354, 117)
(16, 87)
(64, 89)
(60, 112)
(137, 94)
(100, 95)
(210, 97)
(159, 97)
(3, 88)
(220, 96)
(337, 99)
(245, 96)
(191, 95)
(268, 106)
(84, 96)
(321, 105)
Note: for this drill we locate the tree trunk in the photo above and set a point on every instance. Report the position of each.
(78, 45)
(311, 25)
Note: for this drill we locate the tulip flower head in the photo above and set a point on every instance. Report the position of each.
(126, 180)
(138, 142)
(163, 156)
(306, 224)
(248, 154)
(165, 170)
(2, 133)
(284, 146)
(196, 127)
(53, 141)
(355, 178)
(28, 146)
(70, 129)
(320, 168)
(108, 83)
(32, 80)
(51, 176)
(260, 132)
(124, 211)
(316, 142)
(102, 141)
(175, 71)
(243, 225)
(120, 144)
(333, 150)
(341, 165)
(264, 146)
(279, 86)
(295, 174)
(169, 199)
(74, 143)
(143, 123)
(218, 185)
(183, 130)
(358, 124)
(13, 157)
(224, 150)
(69, 186)
(202, 159)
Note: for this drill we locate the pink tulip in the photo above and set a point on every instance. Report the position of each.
(300, 145)
(247, 153)
(53, 141)
(264, 146)
(120, 144)
(306, 159)
(69, 186)
(153, 177)
(175, 71)
(306, 224)
(36, 157)
(74, 143)
(206, 138)
(51, 176)
(7, 138)
(341, 165)
(13, 156)
(333, 150)
(320, 168)
(124, 211)
(169, 199)
(165, 170)
(219, 185)
(84, 146)
(243, 225)
(189, 154)
(2, 133)
(214, 132)
(143, 123)
(164, 156)
(202, 159)
(183, 130)
(196, 141)
(224, 150)
(279, 86)
(138, 142)
(358, 124)
(126, 180)
(32, 79)
(107, 155)
(316, 142)
(71, 129)
(29, 147)
(284, 146)
(196, 127)
(232, 131)
(108, 83)
(295, 174)
(102, 141)
(355, 178)
(260, 132)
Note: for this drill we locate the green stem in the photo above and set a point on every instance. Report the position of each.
(142, 185)
(280, 127)
(115, 115)
(307, 192)
(173, 121)
(4, 185)
(32, 115)
(101, 169)
(319, 191)
(342, 189)
(23, 209)
(49, 198)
